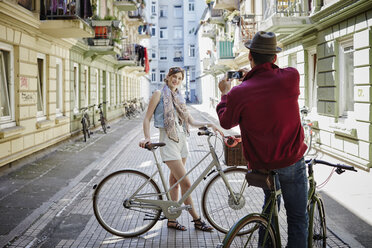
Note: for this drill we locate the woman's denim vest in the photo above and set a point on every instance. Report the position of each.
(159, 114)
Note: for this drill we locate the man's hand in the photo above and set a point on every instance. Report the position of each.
(224, 85)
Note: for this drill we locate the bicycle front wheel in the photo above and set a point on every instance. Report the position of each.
(317, 225)
(259, 233)
(218, 204)
(119, 214)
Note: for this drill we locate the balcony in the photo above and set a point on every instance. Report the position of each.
(230, 5)
(125, 5)
(178, 59)
(286, 17)
(131, 57)
(209, 31)
(106, 40)
(144, 31)
(217, 16)
(137, 16)
(64, 19)
(225, 54)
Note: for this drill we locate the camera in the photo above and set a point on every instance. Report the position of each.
(234, 74)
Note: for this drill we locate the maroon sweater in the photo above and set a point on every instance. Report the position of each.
(265, 106)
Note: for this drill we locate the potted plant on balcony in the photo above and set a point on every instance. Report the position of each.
(106, 22)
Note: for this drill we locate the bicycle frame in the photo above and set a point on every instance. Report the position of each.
(272, 205)
(167, 206)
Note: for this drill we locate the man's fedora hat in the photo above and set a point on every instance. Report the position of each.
(263, 42)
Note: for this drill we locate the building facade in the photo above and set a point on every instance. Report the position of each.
(173, 41)
(329, 42)
(56, 58)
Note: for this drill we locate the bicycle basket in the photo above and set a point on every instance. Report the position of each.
(233, 151)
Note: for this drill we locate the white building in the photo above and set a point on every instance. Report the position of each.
(173, 41)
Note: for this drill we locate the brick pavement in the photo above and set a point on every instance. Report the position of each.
(67, 218)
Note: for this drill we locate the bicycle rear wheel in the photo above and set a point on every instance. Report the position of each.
(260, 233)
(116, 212)
(317, 225)
(218, 204)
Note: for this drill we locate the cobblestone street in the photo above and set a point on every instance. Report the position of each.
(57, 205)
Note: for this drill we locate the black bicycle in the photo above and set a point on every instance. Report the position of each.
(102, 118)
(85, 122)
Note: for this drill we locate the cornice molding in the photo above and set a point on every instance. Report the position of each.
(327, 17)
(15, 11)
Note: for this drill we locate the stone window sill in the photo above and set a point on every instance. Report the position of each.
(61, 120)
(11, 131)
(44, 124)
(343, 131)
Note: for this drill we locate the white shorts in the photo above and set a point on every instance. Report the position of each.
(173, 150)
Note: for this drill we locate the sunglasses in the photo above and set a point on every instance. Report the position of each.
(175, 69)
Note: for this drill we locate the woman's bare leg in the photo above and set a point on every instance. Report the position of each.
(177, 168)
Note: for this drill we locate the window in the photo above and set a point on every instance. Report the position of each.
(163, 11)
(86, 88)
(59, 88)
(192, 74)
(293, 60)
(113, 95)
(191, 5)
(153, 30)
(178, 52)
(153, 52)
(191, 27)
(312, 77)
(153, 75)
(178, 11)
(163, 33)
(177, 32)
(76, 88)
(108, 90)
(163, 53)
(97, 86)
(7, 86)
(162, 75)
(192, 50)
(153, 8)
(346, 75)
(41, 87)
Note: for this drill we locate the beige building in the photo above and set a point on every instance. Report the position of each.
(57, 57)
(329, 42)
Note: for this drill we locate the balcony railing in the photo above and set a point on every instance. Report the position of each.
(248, 27)
(136, 14)
(65, 9)
(125, 5)
(225, 50)
(178, 59)
(287, 8)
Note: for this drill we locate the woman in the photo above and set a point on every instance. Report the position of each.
(173, 120)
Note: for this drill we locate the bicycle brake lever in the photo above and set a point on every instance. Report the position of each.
(340, 171)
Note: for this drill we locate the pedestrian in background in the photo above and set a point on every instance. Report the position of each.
(172, 119)
(265, 106)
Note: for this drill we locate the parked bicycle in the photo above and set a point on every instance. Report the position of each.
(263, 228)
(128, 202)
(102, 118)
(308, 129)
(85, 122)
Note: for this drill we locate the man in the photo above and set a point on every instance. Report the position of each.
(265, 106)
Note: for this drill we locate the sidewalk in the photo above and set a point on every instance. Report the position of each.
(48, 203)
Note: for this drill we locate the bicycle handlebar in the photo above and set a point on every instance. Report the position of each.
(339, 166)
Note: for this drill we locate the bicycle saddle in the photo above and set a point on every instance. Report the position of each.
(152, 146)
